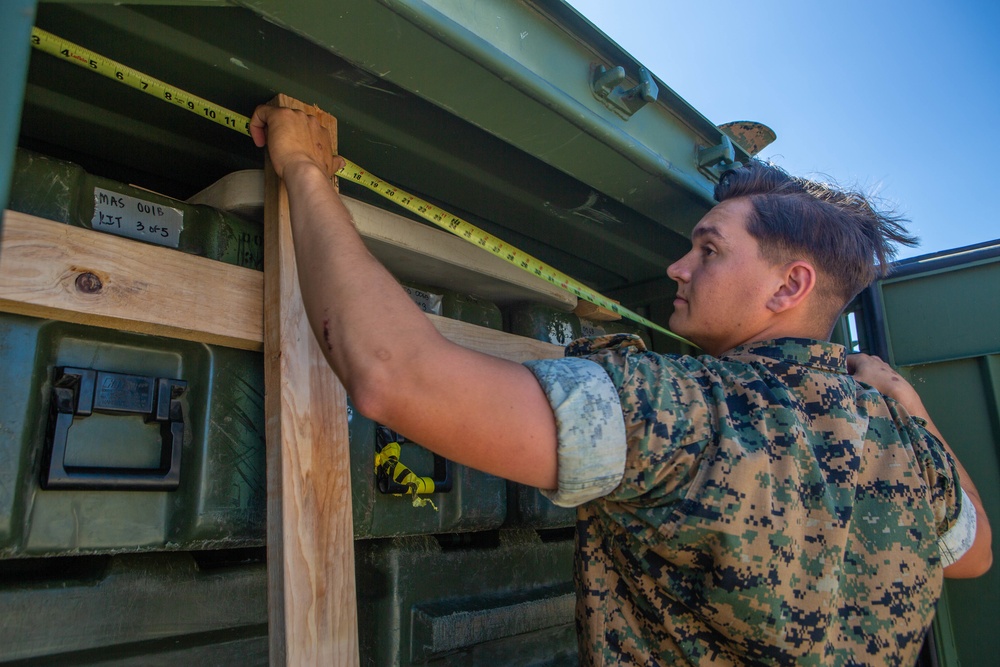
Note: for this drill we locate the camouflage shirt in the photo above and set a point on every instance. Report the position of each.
(770, 510)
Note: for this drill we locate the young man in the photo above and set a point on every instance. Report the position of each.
(754, 505)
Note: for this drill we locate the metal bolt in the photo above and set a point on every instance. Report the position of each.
(88, 283)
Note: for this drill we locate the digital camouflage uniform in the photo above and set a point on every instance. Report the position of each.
(767, 508)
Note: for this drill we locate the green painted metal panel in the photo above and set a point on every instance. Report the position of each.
(517, 70)
(947, 313)
(942, 322)
(960, 396)
(16, 17)
(238, 59)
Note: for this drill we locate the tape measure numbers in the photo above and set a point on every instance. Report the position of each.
(49, 43)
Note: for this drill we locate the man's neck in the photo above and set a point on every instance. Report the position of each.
(778, 330)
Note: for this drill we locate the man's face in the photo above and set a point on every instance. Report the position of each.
(723, 285)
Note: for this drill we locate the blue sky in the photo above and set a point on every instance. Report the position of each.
(902, 98)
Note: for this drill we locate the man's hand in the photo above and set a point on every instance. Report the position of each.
(880, 375)
(293, 137)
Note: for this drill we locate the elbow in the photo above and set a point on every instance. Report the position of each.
(987, 563)
(370, 395)
(379, 393)
(979, 559)
(981, 563)
(970, 567)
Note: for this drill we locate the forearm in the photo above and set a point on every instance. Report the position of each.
(474, 409)
(358, 313)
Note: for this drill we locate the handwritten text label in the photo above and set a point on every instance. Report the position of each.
(137, 218)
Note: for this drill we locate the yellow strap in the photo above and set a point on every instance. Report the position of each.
(388, 461)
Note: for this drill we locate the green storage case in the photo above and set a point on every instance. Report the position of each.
(543, 323)
(495, 599)
(135, 609)
(219, 499)
(62, 191)
(591, 328)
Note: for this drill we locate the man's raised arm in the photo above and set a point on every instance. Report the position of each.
(877, 373)
(475, 409)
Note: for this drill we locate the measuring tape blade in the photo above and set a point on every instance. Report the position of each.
(73, 53)
(70, 52)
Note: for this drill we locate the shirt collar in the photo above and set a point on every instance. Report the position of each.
(818, 354)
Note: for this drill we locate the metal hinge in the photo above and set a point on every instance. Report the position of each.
(606, 84)
(719, 159)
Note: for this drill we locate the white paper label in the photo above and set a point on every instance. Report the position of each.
(135, 218)
(428, 302)
(591, 329)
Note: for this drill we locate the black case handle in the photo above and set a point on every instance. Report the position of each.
(442, 467)
(79, 392)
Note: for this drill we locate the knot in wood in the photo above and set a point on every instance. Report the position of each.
(88, 283)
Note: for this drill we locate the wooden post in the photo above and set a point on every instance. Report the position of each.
(312, 609)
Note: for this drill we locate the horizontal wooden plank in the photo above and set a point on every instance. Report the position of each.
(412, 251)
(496, 343)
(52, 270)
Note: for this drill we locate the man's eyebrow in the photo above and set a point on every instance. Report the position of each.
(707, 231)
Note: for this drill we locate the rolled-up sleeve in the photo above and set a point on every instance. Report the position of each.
(959, 537)
(954, 512)
(590, 428)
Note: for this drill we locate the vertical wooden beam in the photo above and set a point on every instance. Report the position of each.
(310, 536)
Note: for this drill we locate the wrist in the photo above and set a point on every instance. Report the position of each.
(907, 396)
(301, 168)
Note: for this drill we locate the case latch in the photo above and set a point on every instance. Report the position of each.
(79, 392)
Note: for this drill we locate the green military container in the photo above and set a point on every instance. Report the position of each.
(514, 116)
(527, 506)
(62, 191)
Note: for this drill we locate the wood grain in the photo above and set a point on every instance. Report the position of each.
(55, 271)
(312, 611)
(159, 291)
(412, 251)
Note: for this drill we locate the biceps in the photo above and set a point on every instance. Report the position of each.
(480, 411)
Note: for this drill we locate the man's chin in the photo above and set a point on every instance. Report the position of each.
(676, 324)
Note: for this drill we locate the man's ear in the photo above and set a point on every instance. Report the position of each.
(798, 279)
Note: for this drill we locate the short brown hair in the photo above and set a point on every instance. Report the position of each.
(840, 231)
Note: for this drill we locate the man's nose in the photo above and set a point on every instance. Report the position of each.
(678, 270)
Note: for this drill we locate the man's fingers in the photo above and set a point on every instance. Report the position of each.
(258, 125)
(854, 361)
(291, 135)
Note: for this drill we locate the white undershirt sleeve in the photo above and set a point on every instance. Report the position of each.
(590, 427)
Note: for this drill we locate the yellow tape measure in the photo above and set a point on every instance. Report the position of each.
(78, 55)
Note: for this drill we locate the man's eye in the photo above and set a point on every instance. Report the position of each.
(708, 251)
